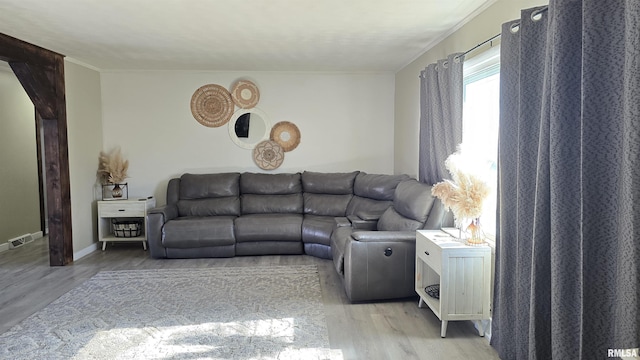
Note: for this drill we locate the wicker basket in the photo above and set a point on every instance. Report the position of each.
(127, 228)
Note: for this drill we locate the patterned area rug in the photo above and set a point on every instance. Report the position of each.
(218, 313)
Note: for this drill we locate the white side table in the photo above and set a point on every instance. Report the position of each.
(462, 272)
(133, 208)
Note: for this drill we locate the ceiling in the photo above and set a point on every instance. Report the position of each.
(237, 35)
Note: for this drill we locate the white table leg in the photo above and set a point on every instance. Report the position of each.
(482, 326)
(443, 329)
(421, 303)
(104, 245)
(144, 245)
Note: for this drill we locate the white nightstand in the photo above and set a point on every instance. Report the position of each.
(463, 273)
(133, 208)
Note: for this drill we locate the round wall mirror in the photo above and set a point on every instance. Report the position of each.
(247, 127)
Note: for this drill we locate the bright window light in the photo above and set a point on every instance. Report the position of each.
(481, 110)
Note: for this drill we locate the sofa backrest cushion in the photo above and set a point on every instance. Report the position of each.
(377, 186)
(327, 194)
(362, 205)
(328, 183)
(271, 193)
(391, 220)
(270, 184)
(412, 203)
(209, 194)
(438, 217)
(326, 205)
(200, 186)
(373, 193)
(224, 206)
(173, 191)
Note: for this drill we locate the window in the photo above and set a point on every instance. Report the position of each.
(480, 123)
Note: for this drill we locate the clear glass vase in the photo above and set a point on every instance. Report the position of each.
(476, 235)
(116, 192)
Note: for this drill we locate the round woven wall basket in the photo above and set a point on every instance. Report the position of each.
(268, 155)
(245, 94)
(286, 134)
(211, 105)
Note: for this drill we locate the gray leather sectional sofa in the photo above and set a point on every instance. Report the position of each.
(365, 222)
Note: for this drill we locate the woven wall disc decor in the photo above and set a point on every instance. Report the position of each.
(245, 94)
(211, 105)
(286, 134)
(268, 155)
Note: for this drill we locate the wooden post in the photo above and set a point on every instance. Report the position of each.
(41, 73)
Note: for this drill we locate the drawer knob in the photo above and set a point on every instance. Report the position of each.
(426, 252)
(388, 252)
(121, 210)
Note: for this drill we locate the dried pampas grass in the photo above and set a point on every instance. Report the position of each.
(464, 195)
(112, 167)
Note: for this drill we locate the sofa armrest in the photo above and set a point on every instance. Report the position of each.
(369, 216)
(342, 221)
(366, 223)
(168, 212)
(156, 218)
(383, 236)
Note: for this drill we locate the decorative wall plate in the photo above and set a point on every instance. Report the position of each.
(268, 155)
(245, 94)
(286, 134)
(211, 105)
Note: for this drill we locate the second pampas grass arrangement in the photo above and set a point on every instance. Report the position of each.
(112, 167)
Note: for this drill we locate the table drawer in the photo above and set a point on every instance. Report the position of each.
(429, 252)
(132, 209)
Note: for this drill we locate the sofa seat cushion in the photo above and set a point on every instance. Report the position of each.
(192, 232)
(318, 229)
(265, 227)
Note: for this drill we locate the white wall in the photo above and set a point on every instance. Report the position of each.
(407, 85)
(84, 132)
(345, 120)
(19, 188)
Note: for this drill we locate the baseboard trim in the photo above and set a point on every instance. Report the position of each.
(4, 247)
(37, 235)
(84, 252)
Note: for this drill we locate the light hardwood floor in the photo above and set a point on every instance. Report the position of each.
(380, 330)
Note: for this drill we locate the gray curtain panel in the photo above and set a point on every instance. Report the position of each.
(568, 242)
(440, 116)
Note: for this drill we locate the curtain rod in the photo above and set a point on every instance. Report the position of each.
(533, 16)
(482, 43)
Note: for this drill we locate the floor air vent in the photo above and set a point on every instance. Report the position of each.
(20, 240)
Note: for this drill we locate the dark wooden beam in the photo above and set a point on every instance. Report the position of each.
(41, 73)
(17, 50)
(38, 87)
(40, 161)
(60, 185)
(57, 174)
